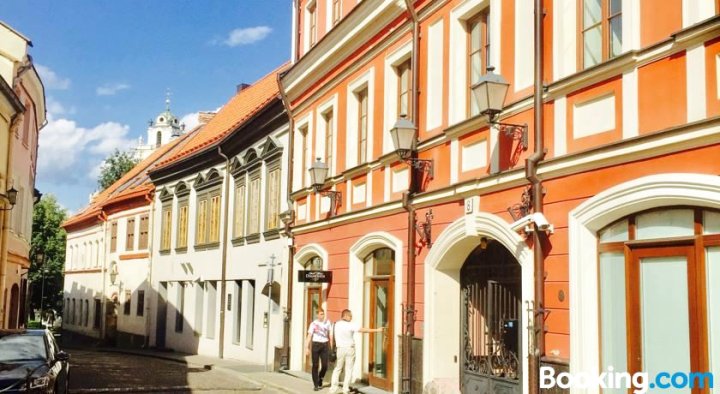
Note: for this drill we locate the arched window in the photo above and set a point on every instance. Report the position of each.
(158, 138)
(659, 282)
(380, 262)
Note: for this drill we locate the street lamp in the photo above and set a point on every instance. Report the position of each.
(404, 137)
(11, 197)
(318, 175)
(490, 92)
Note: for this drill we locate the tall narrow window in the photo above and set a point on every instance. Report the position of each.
(238, 311)
(601, 31)
(86, 313)
(128, 302)
(303, 155)
(403, 90)
(113, 237)
(97, 316)
(254, 219)
(312, 16)
(211, 289)
(144, 228)
(250, 308)
(273, 202)
(336, 11)
(201, 225)
(158, 139)
(362, 99)
(141, 303)
(214, 233)
(239, 227)
(180, 311)
(478, 50)
(182, 226)
(329, 139)
(130, 239)
(166, 224)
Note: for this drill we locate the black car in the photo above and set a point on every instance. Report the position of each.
(32, 362)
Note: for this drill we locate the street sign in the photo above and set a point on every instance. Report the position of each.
(315, 276)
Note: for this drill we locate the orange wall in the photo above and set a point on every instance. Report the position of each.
(662, 94)
(659, 20)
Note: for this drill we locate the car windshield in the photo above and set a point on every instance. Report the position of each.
(16, 347)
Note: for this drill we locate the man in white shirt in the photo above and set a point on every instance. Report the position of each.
(319, 335)
(343, 332)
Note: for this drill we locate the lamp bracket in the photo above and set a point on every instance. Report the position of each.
(518, 132)
(335, 196)
(523, 208)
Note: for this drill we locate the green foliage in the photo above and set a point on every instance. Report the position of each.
(32, 324)
(114, 167)
(48, 238)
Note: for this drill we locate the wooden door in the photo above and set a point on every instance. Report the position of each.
(381, 344)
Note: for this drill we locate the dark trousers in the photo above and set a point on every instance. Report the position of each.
(320, 352)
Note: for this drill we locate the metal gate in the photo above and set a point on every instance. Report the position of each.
(491, 315)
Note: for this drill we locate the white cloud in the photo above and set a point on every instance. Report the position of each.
(56, 109)
(190, 120)
(245, 36)
(50, 79)
(110, 89)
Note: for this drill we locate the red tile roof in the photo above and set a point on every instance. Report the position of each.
(239, 109)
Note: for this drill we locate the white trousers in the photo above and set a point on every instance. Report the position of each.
(346, 359)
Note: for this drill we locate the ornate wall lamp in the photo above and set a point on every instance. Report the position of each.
(11, 198)
(404, 137)
(490, 92)
(318, 175)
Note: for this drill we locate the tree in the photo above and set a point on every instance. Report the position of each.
(48, 238)
(114, 167)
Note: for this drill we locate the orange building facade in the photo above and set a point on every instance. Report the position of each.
(629, 178)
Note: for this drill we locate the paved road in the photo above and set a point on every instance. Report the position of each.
(103, 372)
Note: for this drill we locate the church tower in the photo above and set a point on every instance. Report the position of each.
(160, 131)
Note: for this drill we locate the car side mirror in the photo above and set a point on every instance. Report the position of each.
(62, 356)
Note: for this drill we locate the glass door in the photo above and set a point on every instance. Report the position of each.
(313, 301)
(381, 344)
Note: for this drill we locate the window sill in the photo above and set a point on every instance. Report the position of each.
(181, 250)
(209, 246)
(271, 234)
(239, 241)
(164, 252)
(252, 238)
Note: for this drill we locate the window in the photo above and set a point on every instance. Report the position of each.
(250, 308)
(403, 90)
(130, 239)
(214, 235)
(27, 119)
(362, 99)
(336, 11)
(158, 138)
(303, 155)
(180, 311)
(166, 225)
(601, 31)
(182, 226)
(86, 316)
(144, 229)
(201, 226)
(238, 311)
(141, 303)
(199, 293)
(211, 289)
(113, 237)
(128, 302)
(98, 314)
(329, 136)
(312, 16)
(273, 203)
(681, 252)
(239, 226)
(478, 58)
(74, 310)
(254, 200)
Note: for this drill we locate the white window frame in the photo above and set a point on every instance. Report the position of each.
(392, 61)
(303, 180)
(306, 25)
(353, 114)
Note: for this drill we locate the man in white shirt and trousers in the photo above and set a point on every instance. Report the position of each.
(320, 336)
(345, 343)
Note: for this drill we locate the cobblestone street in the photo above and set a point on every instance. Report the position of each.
(98, 372)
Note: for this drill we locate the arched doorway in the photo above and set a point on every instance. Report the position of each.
(14, 306)
(379, 283)
(313, 302)
(491, 310)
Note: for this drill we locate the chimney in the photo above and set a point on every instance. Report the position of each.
(204, 117)
(242, 87)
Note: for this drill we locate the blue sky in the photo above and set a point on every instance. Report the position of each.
(106, 66)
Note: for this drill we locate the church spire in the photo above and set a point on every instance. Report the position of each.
(167, 100)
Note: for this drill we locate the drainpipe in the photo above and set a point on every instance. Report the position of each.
(406, 383)
(531, 165)
(223, 272)
(289, 223)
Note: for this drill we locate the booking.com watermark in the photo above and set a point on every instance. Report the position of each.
(640, 382)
